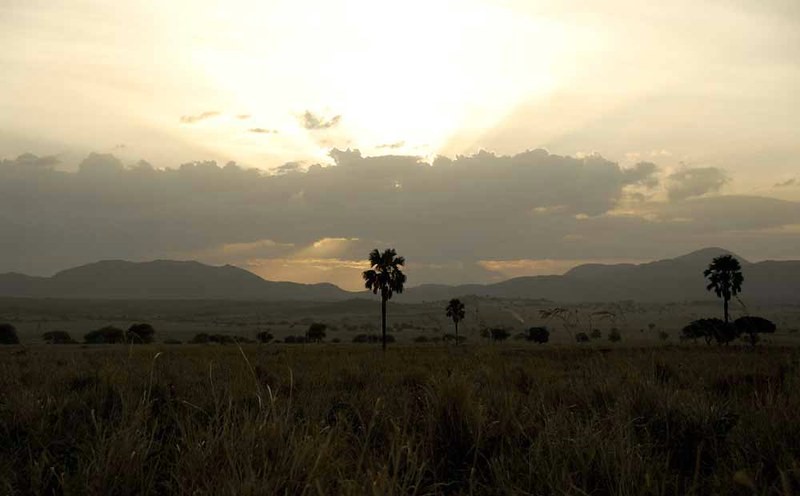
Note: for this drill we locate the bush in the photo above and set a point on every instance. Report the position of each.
(596, 334)
(58, 337)
(421, 339)
(295, 340)
(140, 333)
(201, 338)
(711, 329)
(614, 336)
(538, 335)
(8, 334)
(499, 334)
(753, 326)
(264, 337)
(372, 338)
(448, 338)
(173, 341)
(105, 335)
(582, 337)
(316, 332)
(663, 335)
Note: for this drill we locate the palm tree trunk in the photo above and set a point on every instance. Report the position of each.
(456, 323)
(383, 322)
(725, 304)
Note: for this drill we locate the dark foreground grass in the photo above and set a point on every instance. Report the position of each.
(348, 420)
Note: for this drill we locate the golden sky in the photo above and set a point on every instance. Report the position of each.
(683, 84)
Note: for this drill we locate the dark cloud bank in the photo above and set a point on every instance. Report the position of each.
(445, 216)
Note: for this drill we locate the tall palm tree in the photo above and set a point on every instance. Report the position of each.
(725, 278)
(455, 310)
(385, 276)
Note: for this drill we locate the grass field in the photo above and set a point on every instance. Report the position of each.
(344, 419)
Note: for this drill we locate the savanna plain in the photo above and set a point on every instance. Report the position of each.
(647, 414)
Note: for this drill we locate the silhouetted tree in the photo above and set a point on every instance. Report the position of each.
(264, 337)
(538, 335)
(455, 310)
(753, 326)
(614, 335)
(316, 332)
(582, 337)
(596, 334)
(105, 335)
(710, 330)
(200, 338)
(725, 278)
(58, 337)
(385, 276)
(499, 334)
(140, 333)
(8, 334)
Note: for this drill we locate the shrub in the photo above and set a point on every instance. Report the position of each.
(8, 334)
(753, 326)
(201, 338)
(140, 333)
(336, 340)
(614, 336)
(663, 335)
(316, 332)
(295, 340)
(538, 335)
(372, 338)
(596, 334)
(105, 335)
(58, 337)
(499, 334)
(264, 337)
(709, 330)
(421, 339)
(173, 341)
(582, 337)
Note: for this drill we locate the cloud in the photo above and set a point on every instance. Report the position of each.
(690, 182)
(261, 130)
(392, 146)
(313, 122)
(31, 160)
(450, 218)
(191, 119)
(787, 183)
(243, 117)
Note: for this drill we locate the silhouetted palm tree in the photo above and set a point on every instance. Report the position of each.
(455, 310)
(385, 276)
(725, 279)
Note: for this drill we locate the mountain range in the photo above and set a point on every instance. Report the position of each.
(676, 279)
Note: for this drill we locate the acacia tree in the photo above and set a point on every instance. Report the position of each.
(725, 278)
(455, 310)
(384, 276)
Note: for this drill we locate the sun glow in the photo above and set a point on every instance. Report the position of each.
(419, 75)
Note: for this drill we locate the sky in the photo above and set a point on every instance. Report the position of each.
(483, 140)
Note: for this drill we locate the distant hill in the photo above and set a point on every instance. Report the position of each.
(671, 280)
(676, 279)
(163, 279)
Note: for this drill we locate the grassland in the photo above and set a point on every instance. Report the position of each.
(345, 419)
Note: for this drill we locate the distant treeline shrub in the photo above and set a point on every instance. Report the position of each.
(204, 338)
(105, 335)
(8, 334)
(372, 338)
(718, 330)
(58, 337)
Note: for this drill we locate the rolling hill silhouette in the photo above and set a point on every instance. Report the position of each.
(163, 279)
(675, 279)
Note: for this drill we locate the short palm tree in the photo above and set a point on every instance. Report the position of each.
(455, 310)
(385, 277)
(725, 278)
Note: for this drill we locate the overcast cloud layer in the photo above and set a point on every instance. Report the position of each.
(475, 218)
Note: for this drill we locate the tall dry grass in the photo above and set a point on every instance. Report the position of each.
(349, 420)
